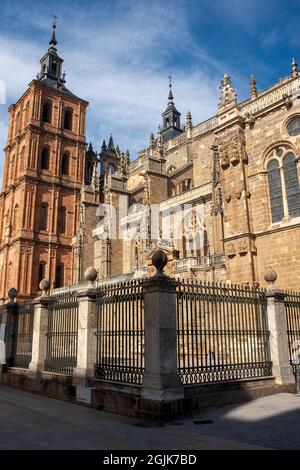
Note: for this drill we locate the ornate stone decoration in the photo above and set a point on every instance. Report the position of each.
(243, 247)
(228, 94)
(232, 149)
(230, 250)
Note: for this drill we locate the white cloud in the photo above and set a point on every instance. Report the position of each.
(121, 67)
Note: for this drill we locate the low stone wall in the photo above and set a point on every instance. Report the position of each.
(53, 386)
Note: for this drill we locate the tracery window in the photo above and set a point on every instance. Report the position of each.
(284, 191)
(194, 236)
(293, 126)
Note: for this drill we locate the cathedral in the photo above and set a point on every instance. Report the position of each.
(221, 198)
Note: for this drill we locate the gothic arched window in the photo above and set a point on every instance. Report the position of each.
(68, 118)
(45, 158)
(46, 112)
(291, 184)
(275, 191)
(284, 192)
(44, 216)
(65, 164)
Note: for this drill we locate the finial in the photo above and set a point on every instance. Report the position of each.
(294, 68)
(170, 97)
(189, 123)
(103, 148)
(53, 40)
(12, 294)
(151, 141)
(160, 260)
(111, 143)
(253, 88)
(270, 276)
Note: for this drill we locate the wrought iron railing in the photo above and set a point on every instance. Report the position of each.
(120, 332)
(22, 335)
(62, 332)
(292, 310)
(222, 333)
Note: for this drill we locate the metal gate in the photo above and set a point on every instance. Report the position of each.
(62, 332)
(22, 335)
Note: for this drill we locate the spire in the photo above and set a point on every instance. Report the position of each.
(103, 148)
(171, 117)
(170, 97)
(294, 68)
(53, 41)
(111, 143)
(189, 123)
(151, 141)
(228, 94)
(51, 65)
(253, 88)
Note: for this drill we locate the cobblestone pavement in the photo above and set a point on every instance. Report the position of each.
(30, 421)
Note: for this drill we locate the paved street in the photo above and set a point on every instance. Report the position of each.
(30, 421)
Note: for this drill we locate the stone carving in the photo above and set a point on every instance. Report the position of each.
(230, 250)
(232, 149)
(287, 101)
(228, 198)
(228, 94)
(243, 247)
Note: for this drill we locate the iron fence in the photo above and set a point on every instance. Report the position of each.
(62, 332)
(22, 335)
(120, 332)
(222, 333)
(292, 310)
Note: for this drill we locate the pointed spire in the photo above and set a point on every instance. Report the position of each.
(294, 68)
(104, 147)
(159, 137)
(228, 94)
(111, 143)
(151, 141)
(170, 97)
(53, 41)
(253, 88)
(128, 156)
(189, 123)
(117, 149)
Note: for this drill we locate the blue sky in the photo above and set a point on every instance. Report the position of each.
(118, 55)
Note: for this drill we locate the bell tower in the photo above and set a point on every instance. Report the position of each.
(44, 165)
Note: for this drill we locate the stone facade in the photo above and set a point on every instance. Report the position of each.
(221, 167)
(221, 198)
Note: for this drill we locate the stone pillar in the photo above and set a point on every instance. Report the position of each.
(282, 370)
(8, 325)
(161, 380)
(87, 325)
(40, 327)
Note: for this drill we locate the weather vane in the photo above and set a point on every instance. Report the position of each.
(170, 78)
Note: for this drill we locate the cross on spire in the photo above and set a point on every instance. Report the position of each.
(53, 40)
(170, 97)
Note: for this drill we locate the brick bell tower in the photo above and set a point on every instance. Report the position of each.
(43, 175)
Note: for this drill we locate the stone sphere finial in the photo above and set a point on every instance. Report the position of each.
(159, 260)
(270, 276)
(12, 294)
(44, 285)
(90, 275)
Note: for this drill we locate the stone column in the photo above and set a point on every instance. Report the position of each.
(161, 380)
(282, 370)
(8, 322)
(40, 327)
(87, 325)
